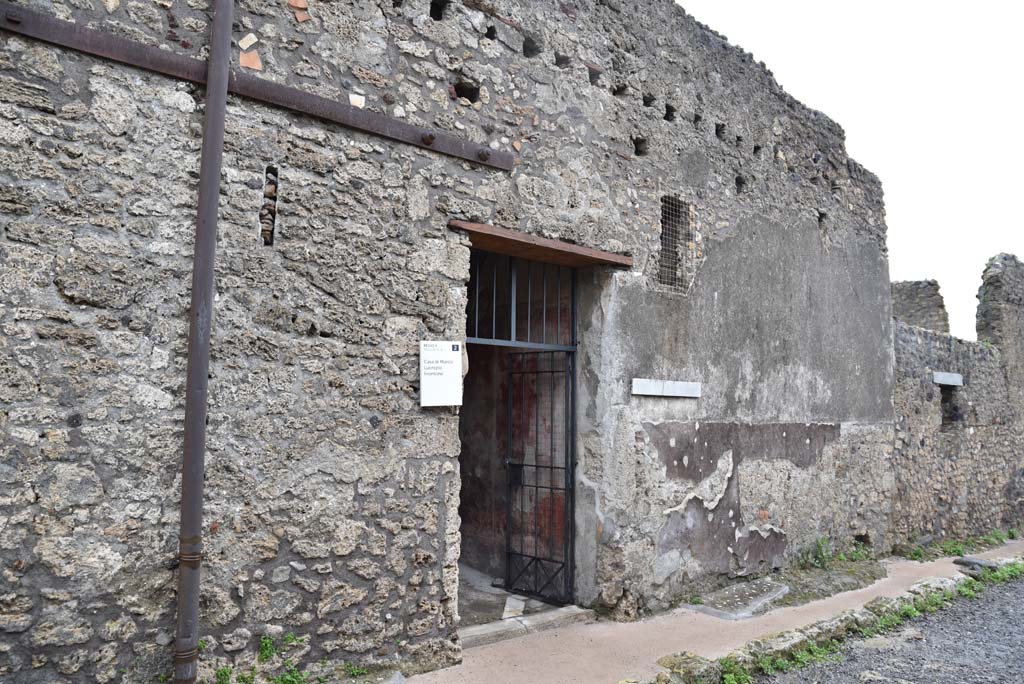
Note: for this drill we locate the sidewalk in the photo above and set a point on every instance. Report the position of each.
(607, 652)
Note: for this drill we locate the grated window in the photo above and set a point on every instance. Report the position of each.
(680, 244)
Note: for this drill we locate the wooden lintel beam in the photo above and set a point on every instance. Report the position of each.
(518, 244)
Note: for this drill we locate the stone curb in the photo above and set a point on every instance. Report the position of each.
(689, 668)
(481, 635)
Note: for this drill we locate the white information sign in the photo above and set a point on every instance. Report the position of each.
(441, 373)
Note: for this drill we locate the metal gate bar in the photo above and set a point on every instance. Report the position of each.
(529, 305)
(511, 303)
(540, 476)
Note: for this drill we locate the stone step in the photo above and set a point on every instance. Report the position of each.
(510, 628)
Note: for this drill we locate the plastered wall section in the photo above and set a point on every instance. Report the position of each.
(790, 441)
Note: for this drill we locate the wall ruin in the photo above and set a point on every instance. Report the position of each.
(958, 449)
(919, 303)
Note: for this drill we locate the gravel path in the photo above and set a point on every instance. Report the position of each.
(979, 641)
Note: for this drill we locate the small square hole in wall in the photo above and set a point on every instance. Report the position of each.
(619, 90)
(467, 89)
(720, 131)
(562, 61)
(531, 47)
(437, 9)
(741, 185)
(670, 113)
(649, 100)
(640, 147)
(491, 33)
(594, 74)
(698, 119)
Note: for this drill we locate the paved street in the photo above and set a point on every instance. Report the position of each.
(606, 652)
(971, 642)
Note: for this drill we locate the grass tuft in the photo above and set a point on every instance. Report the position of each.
(354, 670)
(290, 675)
(959, 547)
(818, 555)
(734, 673)
(267, 648)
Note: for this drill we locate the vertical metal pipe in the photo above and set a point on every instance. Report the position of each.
(186, 644)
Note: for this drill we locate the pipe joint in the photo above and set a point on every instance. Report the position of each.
(189, 656)
(190, 560)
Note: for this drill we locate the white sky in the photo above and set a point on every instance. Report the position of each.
(930, 96)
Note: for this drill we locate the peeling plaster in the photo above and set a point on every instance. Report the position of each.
(711, 490)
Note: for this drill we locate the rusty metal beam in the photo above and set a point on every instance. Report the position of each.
(102, 44)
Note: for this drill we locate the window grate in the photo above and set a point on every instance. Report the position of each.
(515, 302)
(680, 244)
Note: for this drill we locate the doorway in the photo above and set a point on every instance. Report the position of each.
(517, 430)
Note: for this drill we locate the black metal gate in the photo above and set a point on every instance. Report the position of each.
(540, 463)
(530, 307)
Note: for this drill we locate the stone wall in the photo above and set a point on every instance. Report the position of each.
(787, 321)
(1000, 319)
(331, 498)
(959, 472)
(952, 479)
(919, 302)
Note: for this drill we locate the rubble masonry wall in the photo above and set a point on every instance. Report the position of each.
(331, 498)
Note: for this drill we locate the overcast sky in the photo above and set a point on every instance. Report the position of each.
(930, 96)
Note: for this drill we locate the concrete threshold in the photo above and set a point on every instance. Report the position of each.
(521, 625)
(605, 652)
